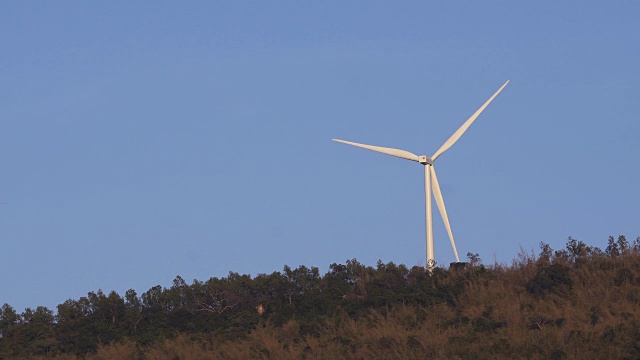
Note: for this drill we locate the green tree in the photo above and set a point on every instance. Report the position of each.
(37, 332)
(612, 248)
(8, 319)
(623, 245)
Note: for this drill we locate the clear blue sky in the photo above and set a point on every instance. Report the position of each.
(144, 140)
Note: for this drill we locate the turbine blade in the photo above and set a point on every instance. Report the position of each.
(443, 211)
(452, 140)
(389, 151)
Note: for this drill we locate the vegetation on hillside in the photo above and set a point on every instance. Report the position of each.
(575, 303)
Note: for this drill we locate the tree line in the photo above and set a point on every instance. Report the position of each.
(579, 300)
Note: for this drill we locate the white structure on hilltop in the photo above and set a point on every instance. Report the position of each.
(430, 178)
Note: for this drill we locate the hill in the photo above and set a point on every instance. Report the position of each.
(575, 303)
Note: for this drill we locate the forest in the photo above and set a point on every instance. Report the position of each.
(579, 302)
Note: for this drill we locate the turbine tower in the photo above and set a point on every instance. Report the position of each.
(430, 178)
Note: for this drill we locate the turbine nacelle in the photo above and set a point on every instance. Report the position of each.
(425, 160)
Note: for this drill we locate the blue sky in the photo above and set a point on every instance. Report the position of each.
(144, 140)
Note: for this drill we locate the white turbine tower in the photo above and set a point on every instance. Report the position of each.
(430, 178)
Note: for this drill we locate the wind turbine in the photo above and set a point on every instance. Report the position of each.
(430, 178)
